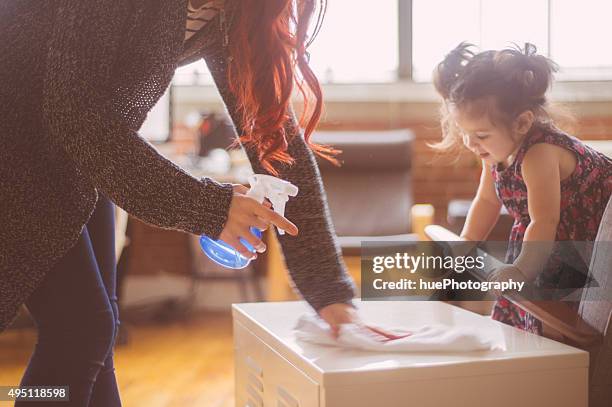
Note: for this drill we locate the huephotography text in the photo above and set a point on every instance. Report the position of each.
(447, 284)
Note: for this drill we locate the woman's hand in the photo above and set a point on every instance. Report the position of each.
(338, 314)
(245, 212)
(341, 313)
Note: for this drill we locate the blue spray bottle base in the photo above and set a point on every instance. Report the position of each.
(224, 254)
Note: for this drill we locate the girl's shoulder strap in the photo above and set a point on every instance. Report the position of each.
(534, 136)
(549, 135)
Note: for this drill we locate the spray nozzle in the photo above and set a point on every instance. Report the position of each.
(275, 189)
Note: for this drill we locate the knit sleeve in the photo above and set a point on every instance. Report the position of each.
(313, 256)
(81, 119)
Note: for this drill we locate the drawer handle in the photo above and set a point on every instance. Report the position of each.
(254, 366)
(256, 398)
(255, 382)
(287, 398)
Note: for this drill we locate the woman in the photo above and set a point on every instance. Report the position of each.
(77, 78)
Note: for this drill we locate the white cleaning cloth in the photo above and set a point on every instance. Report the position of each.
(429, 338)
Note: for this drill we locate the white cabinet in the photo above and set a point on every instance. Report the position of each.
(265, 378)
(273, 369)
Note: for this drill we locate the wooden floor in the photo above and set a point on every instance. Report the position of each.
(182, 364)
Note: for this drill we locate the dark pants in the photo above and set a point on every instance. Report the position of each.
(76, 312)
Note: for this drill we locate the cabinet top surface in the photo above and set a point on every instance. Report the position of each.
(515, 350)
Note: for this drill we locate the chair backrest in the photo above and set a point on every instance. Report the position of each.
(596, 310)
(371, 193)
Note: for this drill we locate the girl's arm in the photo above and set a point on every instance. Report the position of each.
(484, 212)
(313, 256)
(540, 170)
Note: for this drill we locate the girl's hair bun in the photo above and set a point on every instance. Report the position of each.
(527, 72)
(447, 72)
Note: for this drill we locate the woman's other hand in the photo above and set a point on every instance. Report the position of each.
(245, 212)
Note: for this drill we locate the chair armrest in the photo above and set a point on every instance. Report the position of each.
(559, 316)
(555, 314)
(351, 245)
(438, 233)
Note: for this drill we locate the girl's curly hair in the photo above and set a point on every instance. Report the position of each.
(501, 83)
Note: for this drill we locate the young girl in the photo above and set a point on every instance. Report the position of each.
(554, 186)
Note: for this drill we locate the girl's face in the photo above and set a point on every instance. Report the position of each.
(492, 143)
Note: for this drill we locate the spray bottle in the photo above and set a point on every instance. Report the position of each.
(263, 186)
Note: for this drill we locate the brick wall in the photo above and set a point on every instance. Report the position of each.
(437, 178)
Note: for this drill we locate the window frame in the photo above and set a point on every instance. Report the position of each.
(405, 89)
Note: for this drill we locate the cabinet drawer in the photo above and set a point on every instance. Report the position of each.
(265, 378)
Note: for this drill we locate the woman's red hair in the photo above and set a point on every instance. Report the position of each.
(267, 46)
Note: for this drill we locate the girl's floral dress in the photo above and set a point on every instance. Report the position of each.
(584, 195)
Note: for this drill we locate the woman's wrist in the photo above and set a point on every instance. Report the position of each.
(214, 204)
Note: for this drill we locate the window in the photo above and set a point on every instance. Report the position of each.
(352, 46)
(358, 42)
(573, 34)
(440, 25)
(370, 42)
(579, 38)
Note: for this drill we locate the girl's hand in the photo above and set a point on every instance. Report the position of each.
(245, 212)
(505, 273)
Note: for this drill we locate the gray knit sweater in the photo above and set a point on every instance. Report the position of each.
(74, 89)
